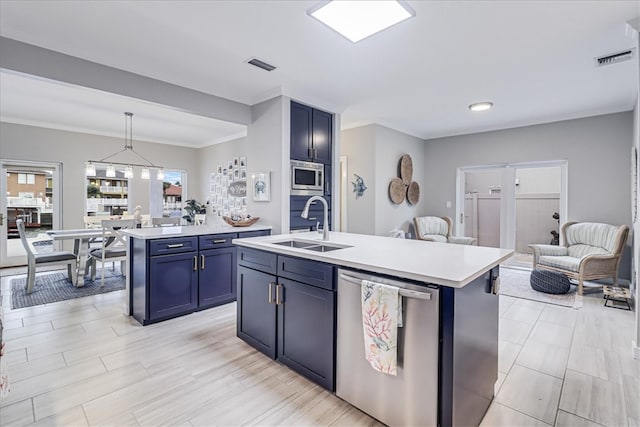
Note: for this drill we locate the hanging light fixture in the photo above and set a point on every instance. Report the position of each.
(128, 146)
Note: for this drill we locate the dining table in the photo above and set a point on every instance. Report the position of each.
(82, 237)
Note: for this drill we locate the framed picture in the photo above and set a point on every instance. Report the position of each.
(236, 162)
(230, 164)
(243, 161)
(236, 174)
(243, 173)
(219, 168)
(261, 184)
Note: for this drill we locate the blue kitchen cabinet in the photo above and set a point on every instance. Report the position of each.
(256, 312)
(174, 276)
(311, 134)
(287, 309)
(175, 285)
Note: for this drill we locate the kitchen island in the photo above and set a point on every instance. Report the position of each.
(299, 303)
(178, 270)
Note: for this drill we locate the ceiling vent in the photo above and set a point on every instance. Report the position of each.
(614, 58)
(261, 64)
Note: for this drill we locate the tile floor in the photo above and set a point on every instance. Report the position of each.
(82, 362)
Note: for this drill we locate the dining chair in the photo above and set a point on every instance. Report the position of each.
(35, 260)
(113, 248)
(161, 222)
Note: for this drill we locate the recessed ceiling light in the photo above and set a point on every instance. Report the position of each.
(480, 106)
(359, 19)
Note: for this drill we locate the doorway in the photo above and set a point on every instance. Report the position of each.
(31, 192)
(513, 205)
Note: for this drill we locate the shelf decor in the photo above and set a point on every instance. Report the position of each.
(403, 187)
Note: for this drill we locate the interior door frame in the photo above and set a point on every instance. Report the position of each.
(56, 218)
(508, 196)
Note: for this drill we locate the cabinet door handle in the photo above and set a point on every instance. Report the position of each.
(201, 262)
(175, 245)
(277, 294)
(315, 153)
(312, 219)
(270, 296)
(195, 263)
(308, 152)
(219, 241)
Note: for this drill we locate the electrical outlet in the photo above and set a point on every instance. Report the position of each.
(448, 203)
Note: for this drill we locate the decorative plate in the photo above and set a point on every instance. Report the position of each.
(397, 191)
(242, 222)
(406, 169)
(413, 193)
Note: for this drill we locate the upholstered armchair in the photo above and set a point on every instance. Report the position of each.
(438, 229)
(591, 251)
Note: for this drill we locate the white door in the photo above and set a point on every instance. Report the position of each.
(31, 192)
(491, 199)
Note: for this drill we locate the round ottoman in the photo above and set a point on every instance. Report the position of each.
(550, 282)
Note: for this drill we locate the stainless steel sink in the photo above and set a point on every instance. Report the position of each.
(312, 246)
(295, 243)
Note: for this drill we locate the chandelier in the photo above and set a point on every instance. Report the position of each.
(128, 146)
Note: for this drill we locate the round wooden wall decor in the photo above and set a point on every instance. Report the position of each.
(413, 193)
(397, 191)
(406, 169)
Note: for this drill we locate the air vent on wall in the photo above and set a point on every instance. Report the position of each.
(614, 58)
(261, 64)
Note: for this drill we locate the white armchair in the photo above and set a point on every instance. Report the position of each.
(437, 229)
(591, 251)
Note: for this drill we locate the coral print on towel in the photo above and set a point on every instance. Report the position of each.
(380, 311)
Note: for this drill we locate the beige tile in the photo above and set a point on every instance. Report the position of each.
(37, 367)
(77, 393)
(500, 415)
(542, 357)
(69, 417)
(507, 354)
(562, 316)
(594, 399)
(631, 390)
(53, 380)
(19, 413)
(551, 333)
(532, 393)
(514, 331)
(566, 419)
(25, 331)
(496, 387)
(523, 313)
(15, 356)
(596, 362)
(127, 397)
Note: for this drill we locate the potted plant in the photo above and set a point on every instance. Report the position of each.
(192, 207)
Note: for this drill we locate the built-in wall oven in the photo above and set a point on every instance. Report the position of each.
(307, 178)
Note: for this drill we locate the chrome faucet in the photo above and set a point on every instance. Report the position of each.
(305, 214)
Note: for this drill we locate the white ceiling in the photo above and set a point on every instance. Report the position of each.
(533, 59)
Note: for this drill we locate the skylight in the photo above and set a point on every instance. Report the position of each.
(360, 19)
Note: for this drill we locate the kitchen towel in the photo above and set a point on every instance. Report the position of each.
(381, 318)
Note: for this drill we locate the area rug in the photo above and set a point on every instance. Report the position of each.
(54, 287)
(515, 283)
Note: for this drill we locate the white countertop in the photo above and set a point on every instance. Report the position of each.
(431, 262)
(190, 230)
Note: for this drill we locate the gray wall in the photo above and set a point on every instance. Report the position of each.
(267, 148)
(390, 146)
(358, 145)
(373, 152)
(219, 154)
(73, 149)
(597, 150)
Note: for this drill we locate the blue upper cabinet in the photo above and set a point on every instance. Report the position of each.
(311, 134)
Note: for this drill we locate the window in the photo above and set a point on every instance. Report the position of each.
(172, 191)
(26, 178)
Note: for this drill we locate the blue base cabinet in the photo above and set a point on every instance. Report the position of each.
(170, 277)
(287, 310)
(175, 288)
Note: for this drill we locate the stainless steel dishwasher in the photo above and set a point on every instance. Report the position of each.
(411, 397)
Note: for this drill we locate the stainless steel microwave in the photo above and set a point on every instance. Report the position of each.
(307, 178)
